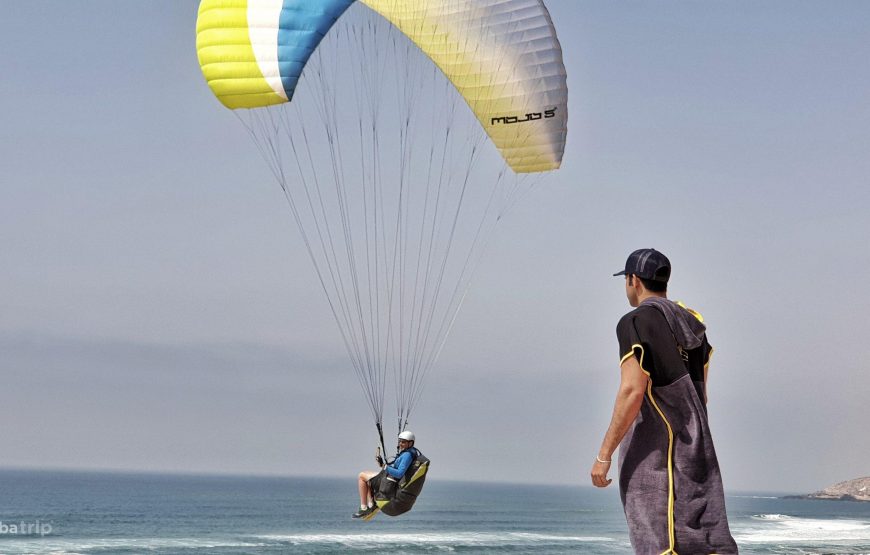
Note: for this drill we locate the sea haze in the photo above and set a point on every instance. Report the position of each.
(99, 513)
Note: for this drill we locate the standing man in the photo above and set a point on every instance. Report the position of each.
(669, 478)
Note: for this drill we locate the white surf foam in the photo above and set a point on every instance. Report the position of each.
(788, 529)
(57, 546)
(50, 546)
(472, 539)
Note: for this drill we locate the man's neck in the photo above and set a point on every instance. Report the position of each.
(650, 294)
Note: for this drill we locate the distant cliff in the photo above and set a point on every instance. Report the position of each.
(852, 490)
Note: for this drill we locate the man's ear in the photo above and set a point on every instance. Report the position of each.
(637, 283)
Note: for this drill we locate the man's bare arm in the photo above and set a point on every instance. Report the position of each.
(629, 398)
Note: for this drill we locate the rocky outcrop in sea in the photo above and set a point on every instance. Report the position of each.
(851, 490)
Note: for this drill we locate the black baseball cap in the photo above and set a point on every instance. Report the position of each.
(647, 264)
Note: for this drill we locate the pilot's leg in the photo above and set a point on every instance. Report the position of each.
(366, 499)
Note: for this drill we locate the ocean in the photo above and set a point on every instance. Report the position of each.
(58, 513)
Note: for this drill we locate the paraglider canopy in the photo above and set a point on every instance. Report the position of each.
(503, 58)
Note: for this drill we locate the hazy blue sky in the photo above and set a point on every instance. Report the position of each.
(157, 311)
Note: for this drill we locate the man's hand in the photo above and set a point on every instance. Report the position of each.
(599, 474)
(380, 461)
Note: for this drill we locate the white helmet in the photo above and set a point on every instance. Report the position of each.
(407, 435)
